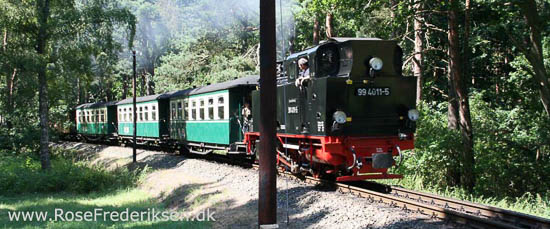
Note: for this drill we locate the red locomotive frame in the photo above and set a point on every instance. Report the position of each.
(335, 151)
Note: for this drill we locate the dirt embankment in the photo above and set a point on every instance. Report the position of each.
(232, 192)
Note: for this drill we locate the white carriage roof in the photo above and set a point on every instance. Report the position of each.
(248, 80)
(146, 98)
(95, 105)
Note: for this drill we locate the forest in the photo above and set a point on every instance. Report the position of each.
(482, 69)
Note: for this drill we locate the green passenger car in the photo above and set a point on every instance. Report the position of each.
(96, 120)
(210, 117)
(152, 118)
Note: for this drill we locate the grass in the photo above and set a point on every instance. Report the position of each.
(529, 204)
(132, 199)
(74, 186)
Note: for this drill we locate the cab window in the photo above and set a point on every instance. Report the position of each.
(292, 69)
(328, 60)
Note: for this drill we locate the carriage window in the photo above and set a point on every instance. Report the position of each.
(154, 113)
(101, 116)
(193, 110)
(125, 119)
(180, 110)
(140, 115)
(211, 108)
(131, 115)
(221, 108)
(201, 109)
(146, 114)
(185, 113)
(173, 107)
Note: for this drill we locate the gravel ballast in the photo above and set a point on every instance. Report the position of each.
(195, 185)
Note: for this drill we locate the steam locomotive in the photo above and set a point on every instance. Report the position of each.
(347, 120)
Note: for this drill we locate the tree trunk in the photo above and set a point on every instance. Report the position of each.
(10, 82)
(125, 79)
(316, 31)
(9, 85)
(418, 50)
(43, 8)
(465, 123)
(5, 40)
(329, 25)
(142, 90)
(393, 4)
(466, 55)
(533, 52)
(150, 77)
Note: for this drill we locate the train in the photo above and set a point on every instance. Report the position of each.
(347, 114)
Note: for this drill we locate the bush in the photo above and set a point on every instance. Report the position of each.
(512, 152)
(23, 174)
(435, 155)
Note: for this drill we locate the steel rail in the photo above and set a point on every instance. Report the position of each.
(447, 209)
(518, 219)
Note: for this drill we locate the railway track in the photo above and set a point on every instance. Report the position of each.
(447, 209)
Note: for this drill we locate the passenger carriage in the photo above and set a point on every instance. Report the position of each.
(96, 121)
(152, 119)
(210, 118)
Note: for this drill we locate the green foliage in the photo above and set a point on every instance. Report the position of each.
(432, 160)
(510, 146)
(23, 174)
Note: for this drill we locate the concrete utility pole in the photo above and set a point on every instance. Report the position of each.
(134, 109)
(267, 204)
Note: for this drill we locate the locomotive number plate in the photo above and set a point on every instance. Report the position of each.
(373, 91)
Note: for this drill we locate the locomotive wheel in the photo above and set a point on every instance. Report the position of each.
(319, 172)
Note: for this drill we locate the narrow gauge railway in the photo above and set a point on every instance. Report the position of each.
(344, 110)
(443, 208)
(448, 209)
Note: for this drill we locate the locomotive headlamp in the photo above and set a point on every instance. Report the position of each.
(413, 114)
(376, 63)
(340, 117)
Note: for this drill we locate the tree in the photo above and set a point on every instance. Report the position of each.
(533, 50)
(418, 48)
(43, 12)
(457, 79)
